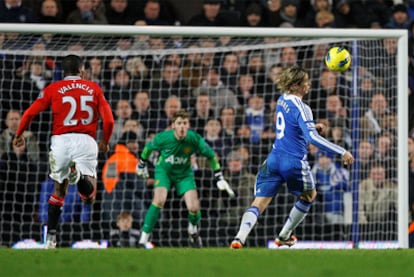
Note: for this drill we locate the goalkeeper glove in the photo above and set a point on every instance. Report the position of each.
(142, 169)
(222, 184)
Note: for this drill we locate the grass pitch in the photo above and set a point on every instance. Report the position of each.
(213, 262)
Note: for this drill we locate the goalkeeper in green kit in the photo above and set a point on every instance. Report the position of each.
(174, 168)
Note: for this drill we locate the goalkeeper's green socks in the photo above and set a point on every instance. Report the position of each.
(194, 218)
(151, 218)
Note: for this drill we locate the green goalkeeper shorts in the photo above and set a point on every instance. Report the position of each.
(182, 183)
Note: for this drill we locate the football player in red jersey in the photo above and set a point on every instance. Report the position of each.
(76, 106)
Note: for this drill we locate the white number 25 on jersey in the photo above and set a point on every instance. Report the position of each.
(84, 99)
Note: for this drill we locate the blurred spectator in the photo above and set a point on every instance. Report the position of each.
(141, 42)
(313, 150)
(138, 71)
(385, 151)
(143, 113)
(314, 59)
(410, 147)
(269, 132)
(208, 57)
(76, 47)
(316, 7)
(228, 121)
(229, 70)
(385, 66)
(329, 83)
(332, 182)
(112, 65)
(242, 182)
(365, 14)
(123, 111)
(135, 126)
(117, 13)
(343, 16)
(84, 14)
(98, 6)
(220, 95)
(274, 17)
(171, 106)
(339, 133)
(73, 209)
(367, 88)
(94, 69)
(122, 45)
(377, 197)
(214, 137)
(289, 13)
(18, 189)
(14, 11)
(121, 88)
(174, 58)
(124, 235)
(254, 16)
(245, 89)
(271, 91)
(288, 56)
(50, 70)
(152, 14)
(411, 180)
(365, 155)
(370, 122)
(325, 19)
(250, 161)
(201, 113)
(389, 123)
(192, 70)
(6, 137)
(155, 61)
(243, 133)
(256, 67)
(224, 41)
(169, 84)
(210, 15)
(334, 108)
(50, 12)
(36, 74)
(399, 18)
(124, 190)
(255, 118)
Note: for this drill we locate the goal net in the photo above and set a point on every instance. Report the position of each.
(226, 79)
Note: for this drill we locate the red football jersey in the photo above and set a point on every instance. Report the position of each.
(76, 107)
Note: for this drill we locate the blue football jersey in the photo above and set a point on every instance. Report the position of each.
(295, 128)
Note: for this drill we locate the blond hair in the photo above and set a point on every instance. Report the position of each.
(289, 77)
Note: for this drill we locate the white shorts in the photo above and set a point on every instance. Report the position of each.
(80, 148)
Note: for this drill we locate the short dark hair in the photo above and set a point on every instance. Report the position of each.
(71, 64)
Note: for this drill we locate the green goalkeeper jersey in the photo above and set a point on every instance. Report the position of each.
(175, 155)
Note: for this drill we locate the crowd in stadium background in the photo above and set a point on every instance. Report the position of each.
(140, 102)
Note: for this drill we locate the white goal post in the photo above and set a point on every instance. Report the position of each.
(332, 35)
